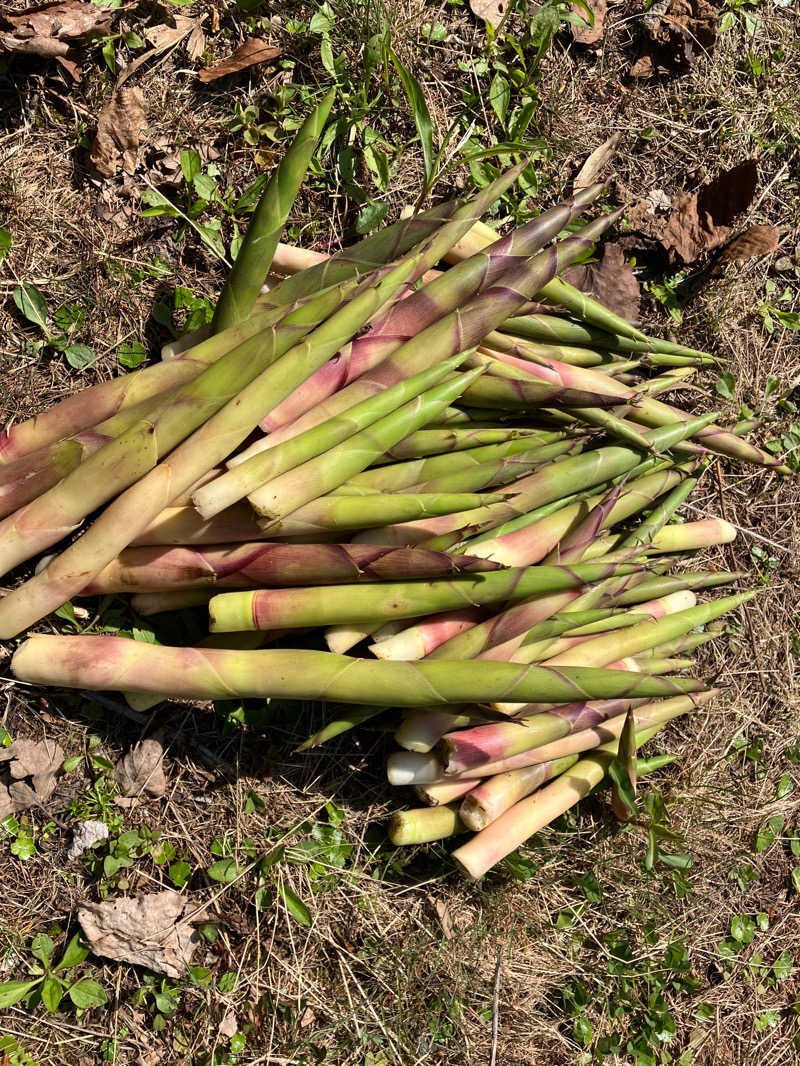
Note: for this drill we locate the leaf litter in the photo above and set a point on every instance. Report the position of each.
(32, 768)
(54, 31)
(583, 33)
(610, 280)
(253, 51)
(150, 930)
(141, 771)
(676, 34)
(116, 144)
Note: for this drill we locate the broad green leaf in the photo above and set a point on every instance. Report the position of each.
(226, 870)
(191, 164)
(13, 991)
(42, 948)
(74, 953)
(422, 117)
(87, 993)
(500, 97)
(321, 22)
(796, 878)
(32, 304)
(370, 216)
(590, 887)
(5, 242)
(132, 355)
(294, 905)
(52, 991)
(109, 56)
(785, 787)
(726, 385)
(79, 356)
(204, 186)
(179, 873)
(769, 831)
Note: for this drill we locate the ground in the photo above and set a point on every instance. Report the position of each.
(359, 954)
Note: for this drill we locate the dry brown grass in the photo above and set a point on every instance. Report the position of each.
(399, 964)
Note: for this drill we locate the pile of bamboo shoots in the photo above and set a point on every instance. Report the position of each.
(426, 453)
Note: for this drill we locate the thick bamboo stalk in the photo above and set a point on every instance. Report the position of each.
(283, 608)
(103, 663)
(425, 825)
(258, 564)
(591, 735)
(252, 264)
(458, 330)
(130, 456)
(284, 494)
(338, 514)
(488, 800)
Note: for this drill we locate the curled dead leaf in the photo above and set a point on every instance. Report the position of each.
(596, 162)
(163, 38)
(116, 143)
(676, 33)
(150, 930)
(702, 221)
(52, 29)
(253, 51)
(141, 771)
(29, 758)
(755, 241)
(610, 280)
(584, 33)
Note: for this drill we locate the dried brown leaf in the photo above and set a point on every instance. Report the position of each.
(28, 758)
(446, 918)
(596, 162)
(253, 51)
(116, 143)
(22, 796)
(491, 11)
(6, 803)
(196, 44)
(756, 240)
(162, 39)
(701, 221)
(148, 930)
(585, 34)
(676, 33)
(52, 29)
(610, 280)
(141, 771)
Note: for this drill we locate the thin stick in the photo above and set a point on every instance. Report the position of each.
(496, 1007)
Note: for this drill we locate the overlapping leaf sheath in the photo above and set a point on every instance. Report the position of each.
(578, 473)
(435, 299)
(246, 477)
(111, 663)
(458, 331)
(219, 427)
(382, 247)
(372, 603)
(289, 491)
(394, 477)
(588, 735)
(339, 513)
(251, 265)
(128, 457)
(260, 564)
(533, 813)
